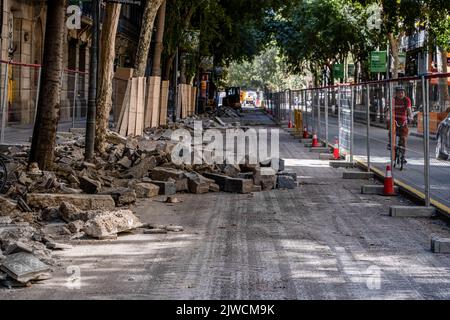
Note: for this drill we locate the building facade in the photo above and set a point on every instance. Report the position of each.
(22, 42)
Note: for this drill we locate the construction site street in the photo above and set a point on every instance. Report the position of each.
(322, 240)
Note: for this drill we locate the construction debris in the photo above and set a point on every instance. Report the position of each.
(42, 212)
(107, 224)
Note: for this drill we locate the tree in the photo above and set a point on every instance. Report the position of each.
(145, 38)
(106, 74)
(47, 115)
(159, 45)
(267, 70)
(315, 34)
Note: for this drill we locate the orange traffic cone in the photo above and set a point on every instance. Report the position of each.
(336, 153)
(389, 183)
(315, 143)
(305, 133)
(290, 124)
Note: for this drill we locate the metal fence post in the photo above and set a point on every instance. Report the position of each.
(352, 125)
(314, 128)
(368, 127)
(290, 106)
(37, 93)
(392, 134)
(339, 117)
(74, 109)
(326, 118)
(426, 132)
(319, 126)
(304, 110)
(5, 103)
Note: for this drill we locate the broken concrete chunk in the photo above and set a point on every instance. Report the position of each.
(235, 185)
(5, 220)
(219, 179)
(125, 162)
(230, 170)
(143, 167)
(198, 184)
(166, 188)
(123, 196)
(17, 247)
(89, 186)
(286, 182)
(24, 267)
(76, 226)
(7, 205)
(69, 212)
(165, 174)
(81, 201)
(111, 223)
(146, 190)
(265, 177)
(214, 187)
(114, 137)
(50, 214)
(291, 174)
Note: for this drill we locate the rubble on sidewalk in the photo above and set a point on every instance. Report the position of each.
(42, 211)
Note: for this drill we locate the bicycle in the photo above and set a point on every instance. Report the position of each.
(399, 151)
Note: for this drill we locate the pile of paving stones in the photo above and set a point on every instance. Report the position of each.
(81, 200)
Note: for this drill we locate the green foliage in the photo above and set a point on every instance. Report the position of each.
(267, 70)
(317, 33)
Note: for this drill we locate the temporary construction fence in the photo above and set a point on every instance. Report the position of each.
(19, 91)
(358, 115)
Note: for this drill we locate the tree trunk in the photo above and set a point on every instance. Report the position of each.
(145, 38)
(168, 67)
(47, 115)
(106, 70)
(183, 68)
(395, 47)
(159, 46)
(443, 82)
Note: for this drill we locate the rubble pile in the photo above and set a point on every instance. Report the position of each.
(42, 211)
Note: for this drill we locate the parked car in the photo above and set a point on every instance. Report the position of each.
(443, 136)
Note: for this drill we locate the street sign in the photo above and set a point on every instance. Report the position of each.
(378, 62)
(338, 71)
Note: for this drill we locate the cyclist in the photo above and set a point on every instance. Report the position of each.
(402, 115)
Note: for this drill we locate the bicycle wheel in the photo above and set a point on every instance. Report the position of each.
(3, 175)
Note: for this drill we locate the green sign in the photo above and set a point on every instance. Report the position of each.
(378, 62)
(338, 71)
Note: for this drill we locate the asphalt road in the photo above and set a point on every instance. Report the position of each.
(413, 174)
(323, 240)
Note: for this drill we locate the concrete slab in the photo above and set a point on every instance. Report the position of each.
(355, 175)
(342, 164)
(375, 190)
(440, 245)
(412, 212)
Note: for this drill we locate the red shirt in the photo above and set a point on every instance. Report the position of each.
(401, 110)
